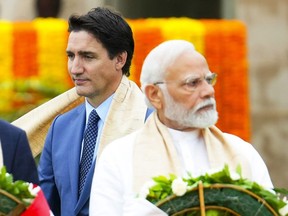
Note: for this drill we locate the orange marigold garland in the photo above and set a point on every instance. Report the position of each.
(24, 50)
(230, 62)
(146, 37)
(24, 64)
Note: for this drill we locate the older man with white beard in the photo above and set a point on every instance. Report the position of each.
(180, 136)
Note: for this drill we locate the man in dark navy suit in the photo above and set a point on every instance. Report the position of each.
(16, 153)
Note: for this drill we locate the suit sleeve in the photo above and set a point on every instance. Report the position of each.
(24, 167)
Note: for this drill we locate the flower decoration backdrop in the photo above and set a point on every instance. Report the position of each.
(33, 62)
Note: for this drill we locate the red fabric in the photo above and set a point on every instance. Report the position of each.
(38, 207)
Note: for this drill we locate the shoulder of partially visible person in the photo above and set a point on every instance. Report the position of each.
(6, 127)
(17, 154)
(9, 135)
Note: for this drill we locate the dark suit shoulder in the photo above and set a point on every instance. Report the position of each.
(8, 128)
(17, 155)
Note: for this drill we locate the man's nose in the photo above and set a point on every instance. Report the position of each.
(207, 90)
(76, 66)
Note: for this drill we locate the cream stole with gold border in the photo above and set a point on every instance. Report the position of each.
(37, 121)
(126, 113)
(155, 153)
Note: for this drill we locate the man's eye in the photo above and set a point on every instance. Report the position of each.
(70, 56)
(209, 79)
(88, 56)
(193, 83)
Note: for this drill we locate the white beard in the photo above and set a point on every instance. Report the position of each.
(190, 118)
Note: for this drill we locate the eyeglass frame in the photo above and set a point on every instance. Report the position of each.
(210, 78)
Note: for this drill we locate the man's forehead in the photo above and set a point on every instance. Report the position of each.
(83, 42)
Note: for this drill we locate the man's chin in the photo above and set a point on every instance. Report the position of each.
(81, 91)
(213, 120)
(208, 120)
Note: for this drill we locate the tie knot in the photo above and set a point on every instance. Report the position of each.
(93, 117)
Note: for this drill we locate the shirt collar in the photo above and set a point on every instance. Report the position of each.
(102, 109)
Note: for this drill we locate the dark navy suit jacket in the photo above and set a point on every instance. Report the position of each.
(17, 155)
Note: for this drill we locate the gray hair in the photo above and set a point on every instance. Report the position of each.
(159, 59)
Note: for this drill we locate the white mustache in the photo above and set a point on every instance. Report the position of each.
(207, 102)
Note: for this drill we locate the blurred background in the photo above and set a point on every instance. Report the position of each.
(266, 39)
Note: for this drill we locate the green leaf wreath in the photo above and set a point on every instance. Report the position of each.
(162, 187)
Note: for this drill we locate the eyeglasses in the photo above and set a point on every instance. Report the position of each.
(192, 83)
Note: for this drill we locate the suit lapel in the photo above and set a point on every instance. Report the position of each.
(84, 197)
(74, 164)
(77, 126)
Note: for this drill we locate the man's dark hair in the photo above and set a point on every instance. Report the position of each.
(109, 28)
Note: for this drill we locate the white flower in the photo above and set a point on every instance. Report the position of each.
(145, 189)
(284, 210)
(234, 176)
(179, 187)
(33, 191)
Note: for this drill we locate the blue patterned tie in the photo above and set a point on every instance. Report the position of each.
(88, 148)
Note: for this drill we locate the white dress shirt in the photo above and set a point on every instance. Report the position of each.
(192, 151)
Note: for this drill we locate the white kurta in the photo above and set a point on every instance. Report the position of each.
(112, 187)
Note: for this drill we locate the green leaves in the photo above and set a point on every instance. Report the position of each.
(163, 186)
(19, 189)
(161, 189)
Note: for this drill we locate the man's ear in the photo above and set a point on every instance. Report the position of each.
(120, 60)
(154, 95)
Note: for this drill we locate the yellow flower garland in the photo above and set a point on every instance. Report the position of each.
(52, 41)
(6, 72)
